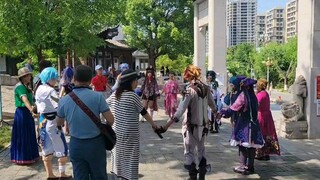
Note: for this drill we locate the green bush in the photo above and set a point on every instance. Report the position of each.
(5, 134)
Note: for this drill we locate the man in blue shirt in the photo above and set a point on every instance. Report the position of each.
(87, 145)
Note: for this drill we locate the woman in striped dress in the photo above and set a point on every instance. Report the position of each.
(125, 105)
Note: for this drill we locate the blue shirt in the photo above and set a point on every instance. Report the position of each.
(80, 125)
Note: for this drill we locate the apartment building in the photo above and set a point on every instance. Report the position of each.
(291, 19)
(260, 30)
(275, 25)
(241, 21)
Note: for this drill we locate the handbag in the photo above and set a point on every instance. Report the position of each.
(106, 129)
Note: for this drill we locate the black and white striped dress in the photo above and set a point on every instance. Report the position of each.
(125, 155)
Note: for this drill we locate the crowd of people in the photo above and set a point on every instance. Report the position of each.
(201, 108)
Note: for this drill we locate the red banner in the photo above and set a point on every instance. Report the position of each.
(318, 87)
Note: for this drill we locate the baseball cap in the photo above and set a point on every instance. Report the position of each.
(98, 67)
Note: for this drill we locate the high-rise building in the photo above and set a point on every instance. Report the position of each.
(241, 21)
(291, 19)
(260, 30)
(275, 25)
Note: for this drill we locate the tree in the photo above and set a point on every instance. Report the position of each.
(27, 27)
(290, 61)
(284, 57)
(160, 27)
(240, 59)
(177, 65)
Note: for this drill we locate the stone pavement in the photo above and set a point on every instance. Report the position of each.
(163, 158)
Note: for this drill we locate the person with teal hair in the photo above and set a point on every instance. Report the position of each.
(52, 139)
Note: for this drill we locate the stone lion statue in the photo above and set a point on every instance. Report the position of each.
(295, 110)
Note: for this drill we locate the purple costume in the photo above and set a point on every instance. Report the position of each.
(246, 132)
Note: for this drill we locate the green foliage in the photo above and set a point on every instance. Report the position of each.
(160, 27)
(48, 55)
(29, 27)
(5, 134)
(178, 65)
(241, 58)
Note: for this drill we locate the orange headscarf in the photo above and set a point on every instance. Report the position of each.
(262, 84)
(192, 71)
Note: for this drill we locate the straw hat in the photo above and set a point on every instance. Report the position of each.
(23, 72)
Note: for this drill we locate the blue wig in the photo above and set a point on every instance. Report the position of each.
(49, 73)
(124, 66)
(67, 76)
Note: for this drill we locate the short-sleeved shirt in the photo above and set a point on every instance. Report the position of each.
(45, 96)
(80, 125)
(99, 83)
(19, 91)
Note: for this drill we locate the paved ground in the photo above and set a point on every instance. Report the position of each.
(163, 158)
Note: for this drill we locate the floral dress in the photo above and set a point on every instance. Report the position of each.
(171, 89)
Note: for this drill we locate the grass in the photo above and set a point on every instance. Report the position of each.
(5, 136)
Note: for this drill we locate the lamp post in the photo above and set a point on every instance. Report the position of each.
(268, 63)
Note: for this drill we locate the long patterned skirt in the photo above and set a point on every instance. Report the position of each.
(271, 145)
(247, 134)
(24, 147)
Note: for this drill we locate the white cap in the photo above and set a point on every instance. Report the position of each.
(98, 67)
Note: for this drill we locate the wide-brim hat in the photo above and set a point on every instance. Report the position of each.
(128, 75)
(23, 72)
(236, 80)
(248, 82)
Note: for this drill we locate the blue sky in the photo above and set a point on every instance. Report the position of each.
(265, 5)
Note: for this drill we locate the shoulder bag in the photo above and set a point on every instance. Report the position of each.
(106, 129)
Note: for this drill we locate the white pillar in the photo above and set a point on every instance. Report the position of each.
(308, 58)
(217, 38)
(199, 42)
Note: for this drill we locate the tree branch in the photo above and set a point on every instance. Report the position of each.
(287, 73)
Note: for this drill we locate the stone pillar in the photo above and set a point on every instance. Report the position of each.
(199, 42)
(309, 58)
(217, 39)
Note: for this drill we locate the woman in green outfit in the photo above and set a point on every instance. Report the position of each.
(24, 147)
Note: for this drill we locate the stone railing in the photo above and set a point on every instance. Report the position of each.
(8, 80)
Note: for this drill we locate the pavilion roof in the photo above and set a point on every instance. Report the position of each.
(119, 44)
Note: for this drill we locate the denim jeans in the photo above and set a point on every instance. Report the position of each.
(88, 158)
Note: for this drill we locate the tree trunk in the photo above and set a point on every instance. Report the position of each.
(73, 58)
(152, 59)
(285, 83)
(39, 54)
(68, 61)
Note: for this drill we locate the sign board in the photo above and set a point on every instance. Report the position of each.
(318, 88)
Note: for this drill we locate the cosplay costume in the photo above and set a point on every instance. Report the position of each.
(171, 89)
(150, 90)
(66, 80)
(193, 108)
(24, 148)
(52, 139)
(215, 123)
(246, 131)
(266, 123)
